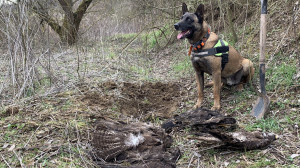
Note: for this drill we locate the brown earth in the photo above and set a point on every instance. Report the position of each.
(46, 128)
(146, 100)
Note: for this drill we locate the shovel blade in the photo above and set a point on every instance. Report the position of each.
(261, 107)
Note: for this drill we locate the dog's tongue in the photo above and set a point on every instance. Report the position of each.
(180, 35)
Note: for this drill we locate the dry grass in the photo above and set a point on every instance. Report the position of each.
(52, 128)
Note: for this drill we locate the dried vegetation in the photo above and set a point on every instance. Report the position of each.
(127, 66)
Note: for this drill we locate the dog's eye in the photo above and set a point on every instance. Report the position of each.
(189, 20)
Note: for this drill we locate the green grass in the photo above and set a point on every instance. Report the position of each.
(281, 76)
(293, 118)
(185, 156)
(245, 94)
(111, 55)
(183, 67)
(125, 37)
(266, 125)
(229, 39)
(255, 159)
(66, 105)
(156, 36)
(150, 39)
(78, 124)
(3, 165)
(2, 111)
(291, 166)
(263, 162)
(139, 70)
(240, 101)
(38, 87)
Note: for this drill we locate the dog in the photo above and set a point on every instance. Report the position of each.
(230, 68)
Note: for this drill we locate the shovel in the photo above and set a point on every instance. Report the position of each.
(263, 102)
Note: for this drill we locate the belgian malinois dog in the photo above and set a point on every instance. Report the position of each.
(233, 70)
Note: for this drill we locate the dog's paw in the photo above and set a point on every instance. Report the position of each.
(197, 105)
(216, 108)
(210, 84)
(240, 87)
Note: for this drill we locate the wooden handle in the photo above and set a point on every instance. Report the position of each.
(262, 46)
(263, 33)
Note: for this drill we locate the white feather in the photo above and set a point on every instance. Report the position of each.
(134, 140)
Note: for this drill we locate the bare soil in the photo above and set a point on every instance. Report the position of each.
(144, 101)
(55, 129)
(44, 130)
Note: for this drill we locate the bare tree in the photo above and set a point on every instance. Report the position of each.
(68, 30)
(21, 72)
(230, 23)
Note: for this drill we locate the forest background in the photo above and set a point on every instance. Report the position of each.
(59, 58)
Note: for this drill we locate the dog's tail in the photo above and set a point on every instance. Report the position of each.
(248, 69)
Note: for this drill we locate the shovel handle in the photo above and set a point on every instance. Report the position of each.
(263, 30)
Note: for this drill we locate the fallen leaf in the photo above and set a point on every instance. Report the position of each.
(294, 155)
(226, 164)
(12, 147)
(5, 146)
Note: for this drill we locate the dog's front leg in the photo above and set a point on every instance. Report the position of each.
(200, 87)
(217, 89)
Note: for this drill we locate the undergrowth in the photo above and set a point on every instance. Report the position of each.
(54, 131)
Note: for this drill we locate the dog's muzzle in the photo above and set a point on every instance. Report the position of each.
(186, 30)
(176, 26)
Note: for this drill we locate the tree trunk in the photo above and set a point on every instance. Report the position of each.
(230, 23)
(68, 31)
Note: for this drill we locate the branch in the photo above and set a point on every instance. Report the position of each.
(81, 10)
(42, 13)
(66, 5)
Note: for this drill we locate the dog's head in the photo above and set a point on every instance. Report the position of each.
(190, 22)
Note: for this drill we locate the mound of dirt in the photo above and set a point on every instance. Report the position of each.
(149, 98)
(146, 100)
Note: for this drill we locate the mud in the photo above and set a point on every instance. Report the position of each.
(143, 101)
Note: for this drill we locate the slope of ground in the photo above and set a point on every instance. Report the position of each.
(139, 84)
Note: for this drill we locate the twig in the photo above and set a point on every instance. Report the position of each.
(140, 157)
(244, 29)
(201, 138)
(190, 162)
(78, 63)
(5, 161)
(31, 136)
(77, 145)
(198, 162)
(280, 44)
(2, 86)
(210, 148)
(19, 158)
(28, 75)
(134, 38)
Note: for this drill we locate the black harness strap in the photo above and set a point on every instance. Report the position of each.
(213, 51)
(224, 56)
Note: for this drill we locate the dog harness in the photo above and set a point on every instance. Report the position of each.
(220, 49)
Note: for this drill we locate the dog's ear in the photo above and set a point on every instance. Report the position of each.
(184, 8)
(200, 12)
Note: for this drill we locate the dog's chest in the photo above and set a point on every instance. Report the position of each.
(202, 64)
